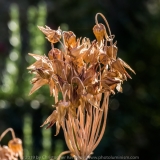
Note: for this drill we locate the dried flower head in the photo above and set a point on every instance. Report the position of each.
(52, 35)
(86, 73)
(14, 149)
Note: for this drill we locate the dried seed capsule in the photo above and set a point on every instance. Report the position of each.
(16, 146)
(55, 54)
(111, 51)
(99, 31)
(70, 39)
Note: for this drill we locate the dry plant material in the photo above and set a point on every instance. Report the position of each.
(14, 150)
(86, 73)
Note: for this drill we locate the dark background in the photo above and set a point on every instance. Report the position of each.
(133, 125)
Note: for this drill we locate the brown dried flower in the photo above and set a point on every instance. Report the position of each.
(52, 35)
(86, 73)
(14, 149)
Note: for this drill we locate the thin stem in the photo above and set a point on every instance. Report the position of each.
(63, 48)
(71, 135)
(5, 132)
(63, 153)
(68, 141)
(96, 21)
(105, 103)
(110, 35)
(79, 81)
(64, 42)
(100, 76)
(52, 45)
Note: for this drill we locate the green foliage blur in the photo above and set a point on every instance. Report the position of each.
(133, 124)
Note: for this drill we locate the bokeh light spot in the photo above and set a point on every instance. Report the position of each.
(35, 104)
(14, 41)
(13, 56)
(12, 25)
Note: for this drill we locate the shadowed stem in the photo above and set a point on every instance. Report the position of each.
(63, 153)
(83, 134)
(5, 132)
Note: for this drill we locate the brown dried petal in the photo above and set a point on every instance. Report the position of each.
(119, 67)
(42, 73)
(39, 83)
(70, 39)
(57, 128)
(87, 54)
(111, 51)
(51, 86)
(53, 36)
(55, 54)
(105, 86)
(51, 119)
(126, 65)
(35, 65)
(90, 75)
(59, 69)
(119, 87)
(75, 97)
(104, 59)
(91, 55)
(110, 81)
(78, 51)
(37, 57)
(93, 89)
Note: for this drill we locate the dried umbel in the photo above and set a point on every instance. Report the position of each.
(86, 73)
(14, 150)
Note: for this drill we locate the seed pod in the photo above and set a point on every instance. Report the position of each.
(99, 31)
(16, 146)
(111, 51)
(55, 54)
(70, 39)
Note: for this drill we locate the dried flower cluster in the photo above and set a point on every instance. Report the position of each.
(14, 150)
(86, 73)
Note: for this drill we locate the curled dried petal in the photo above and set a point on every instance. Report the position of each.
(53, 36)
(69, 39)
(51, 119)
(38, 83)
(126, 65)
(111, 51)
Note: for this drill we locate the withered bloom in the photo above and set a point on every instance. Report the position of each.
(86, 73)
(14, 150)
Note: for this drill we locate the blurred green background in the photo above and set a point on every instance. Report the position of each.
(133, 125)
